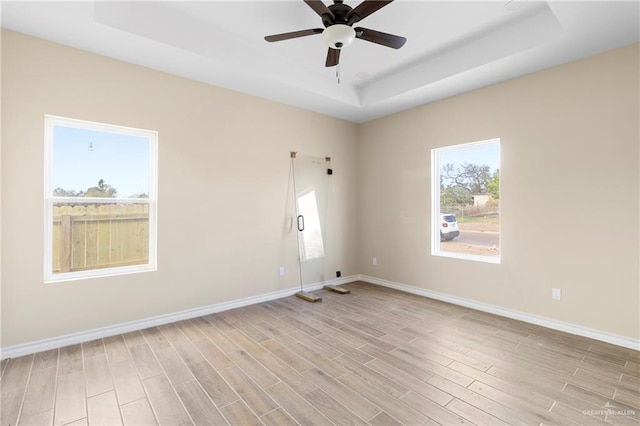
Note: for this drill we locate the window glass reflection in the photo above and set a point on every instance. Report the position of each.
(312, 244)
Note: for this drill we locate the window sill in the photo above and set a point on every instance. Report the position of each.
(475, 258)
(98, 273)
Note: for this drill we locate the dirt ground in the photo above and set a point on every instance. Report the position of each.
(474, 224)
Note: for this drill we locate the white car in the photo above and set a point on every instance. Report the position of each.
(448, 227)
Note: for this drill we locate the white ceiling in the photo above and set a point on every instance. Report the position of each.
(453, 46)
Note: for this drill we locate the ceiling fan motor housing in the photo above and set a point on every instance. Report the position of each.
(338, 36)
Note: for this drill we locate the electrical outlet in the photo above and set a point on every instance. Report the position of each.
(374, 261)
(338, 274)
(282, 271)
(556, 294)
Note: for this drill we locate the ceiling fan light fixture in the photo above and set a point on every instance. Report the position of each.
(338, 36)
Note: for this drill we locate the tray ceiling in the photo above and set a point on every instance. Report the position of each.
(452, 47)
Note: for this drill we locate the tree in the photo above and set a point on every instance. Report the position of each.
(493, 187)
(474, 178)
(458, 183)
(102, 190)
(455, 196)
(140, 195)
(60, 192)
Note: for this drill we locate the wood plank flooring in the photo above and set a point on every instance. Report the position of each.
(376, 356)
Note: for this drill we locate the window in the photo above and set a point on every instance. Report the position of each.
(100, 196)
(466, 201)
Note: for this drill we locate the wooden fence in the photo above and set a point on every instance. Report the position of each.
(99, 236)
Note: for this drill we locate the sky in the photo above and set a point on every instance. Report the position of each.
(82, 157)
(479, 154)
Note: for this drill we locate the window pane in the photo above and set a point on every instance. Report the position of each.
(94, 163)
(467, 204)
(312, 244)
(101, 199)
(94, 236)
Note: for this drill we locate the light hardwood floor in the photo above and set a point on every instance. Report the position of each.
(376, 356)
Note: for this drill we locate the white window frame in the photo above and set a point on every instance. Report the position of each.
(50, 122)
(435, 205)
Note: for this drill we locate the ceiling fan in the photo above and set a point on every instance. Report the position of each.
(338, 33)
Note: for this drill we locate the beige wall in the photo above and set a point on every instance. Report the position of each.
(223, 189)
(567, 133)
(569, 193)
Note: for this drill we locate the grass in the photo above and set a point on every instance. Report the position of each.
(478, 219)
(490, 223)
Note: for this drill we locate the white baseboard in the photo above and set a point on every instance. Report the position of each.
(98, 333)
(579, 330)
